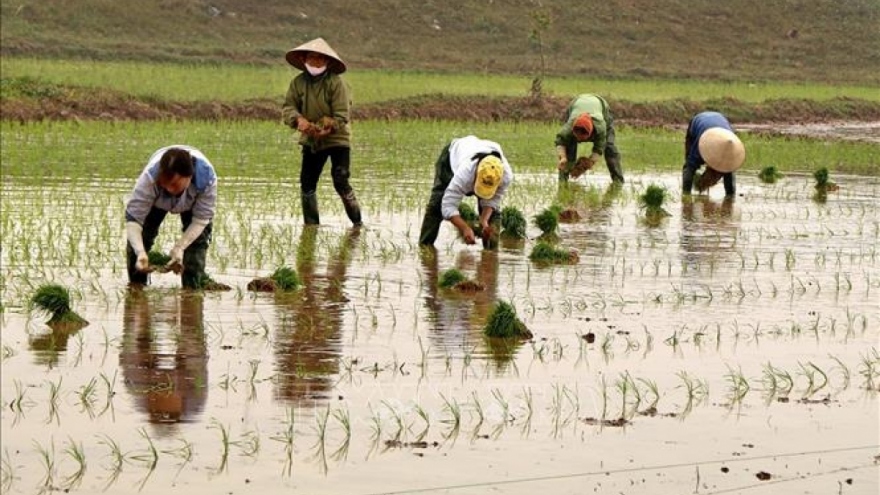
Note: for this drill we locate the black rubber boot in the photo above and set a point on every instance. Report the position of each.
(687, 180)
(193, 275)
(352, 208)
(614, 168)
(310, 208)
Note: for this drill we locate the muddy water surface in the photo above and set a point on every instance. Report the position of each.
(730, 347)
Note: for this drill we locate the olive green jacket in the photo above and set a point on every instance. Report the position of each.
(597, 107)
(315, 97)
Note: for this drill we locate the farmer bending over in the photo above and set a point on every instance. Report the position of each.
(587, 119)
(177, 179)
(710, 140)
(467, 166)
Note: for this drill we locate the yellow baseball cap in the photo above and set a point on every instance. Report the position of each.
(489, 173)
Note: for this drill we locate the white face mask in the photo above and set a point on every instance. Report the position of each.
(315, 71)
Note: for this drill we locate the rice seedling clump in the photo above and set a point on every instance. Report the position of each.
(504, 323)
(513, 223)
(769, 174)
(158, 258)
(653, 198)
(544, 252)
(55, 300)
(450, 277)
(286, 278)
(823, 180)
(548, 220)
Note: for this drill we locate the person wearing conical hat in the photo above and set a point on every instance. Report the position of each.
(467, 166)
(587, 120)
(317, 105)
(710, 141)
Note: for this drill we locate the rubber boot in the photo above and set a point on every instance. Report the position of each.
(352, 208)
(687, 180)
(193, 275)
(310, 208)
(614, 168)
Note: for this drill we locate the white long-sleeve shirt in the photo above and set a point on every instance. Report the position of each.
(464, 154)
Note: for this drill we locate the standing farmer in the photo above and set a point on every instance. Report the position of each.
(467, 166)
(177, 179)
(710, 140)
(317, 105)
(587, 119)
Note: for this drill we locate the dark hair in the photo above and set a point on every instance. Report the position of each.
(176, 161)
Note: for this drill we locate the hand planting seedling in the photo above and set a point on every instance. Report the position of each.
(55, 300)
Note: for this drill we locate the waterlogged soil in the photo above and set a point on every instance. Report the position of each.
(729, 347)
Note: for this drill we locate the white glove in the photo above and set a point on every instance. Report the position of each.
(562, 157)
(195, 229)
(143, 262)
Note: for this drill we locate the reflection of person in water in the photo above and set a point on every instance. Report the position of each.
(164, 358)
(458, 318)
(307, 344)
(708, 230)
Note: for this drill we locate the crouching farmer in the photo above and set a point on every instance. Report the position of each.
(467, 166)
(178, 180)
(710, 140)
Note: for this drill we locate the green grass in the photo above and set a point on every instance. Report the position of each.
(266, 150)
(237, 82)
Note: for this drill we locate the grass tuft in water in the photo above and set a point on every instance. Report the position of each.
(504, 323)
(548, 220)
(450, 278)
(770, 174)
(286, 278)
(513, 223)
(544, 252)
(55, 300)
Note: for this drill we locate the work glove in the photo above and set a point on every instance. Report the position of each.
(561, 158)
(134, 232)
(195, 229)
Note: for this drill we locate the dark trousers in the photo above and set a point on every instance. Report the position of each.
(193, 257)
(611, 154)
(340, 170)
(687, 180)
(433, 212)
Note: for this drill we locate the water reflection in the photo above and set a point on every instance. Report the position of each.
(307, 345)
(48, 347)
(709, 231)
(458, 317)
(164, 356)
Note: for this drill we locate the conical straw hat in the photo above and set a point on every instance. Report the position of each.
(722, 150)
(297, 56)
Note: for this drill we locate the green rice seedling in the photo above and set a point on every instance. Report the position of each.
(504, 323)
(54, 395)
(344, 418)
(422, 413)
(158, 258)
(47, 457)
(844, 371)
(184, 453)
(117, 459)
(651, 385)
(513, 223)
(770, 174)
(739, 386)
(76, 452)
(55, 300)
(87, 396)
(454, 420)
(545, 253)
(869, 368)
(548, 220)
(398, 420)
(286, 278)
(7, 473)
(286, 437)
(812, 373)
(823, 180)
(224, 443)
(248, 443)
(449, 278)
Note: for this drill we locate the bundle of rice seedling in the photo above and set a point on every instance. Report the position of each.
(769, 174)
(55, 300)
(468, 213)
(158, 258)
(548, 220)
(513, 223)
(544, 252)
(653, 198)
(707, 179)
(451, 277)
(283, 279)
(504, 323)
(823, 181)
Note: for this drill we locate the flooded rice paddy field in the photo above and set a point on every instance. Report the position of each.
(731, 347)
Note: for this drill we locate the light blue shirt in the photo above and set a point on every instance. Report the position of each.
(200, 197)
